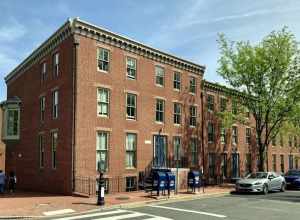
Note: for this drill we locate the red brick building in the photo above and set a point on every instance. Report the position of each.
(90, 99)
(2, 145)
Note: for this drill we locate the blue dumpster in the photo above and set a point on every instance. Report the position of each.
(194, 180)
(159, 182)
(171, 180)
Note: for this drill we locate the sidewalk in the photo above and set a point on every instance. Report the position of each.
(35, 204)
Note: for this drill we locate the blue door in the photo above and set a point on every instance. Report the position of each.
(159, 151)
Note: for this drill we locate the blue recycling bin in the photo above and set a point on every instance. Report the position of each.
(194, 180)
(159, 182)
(171, 182)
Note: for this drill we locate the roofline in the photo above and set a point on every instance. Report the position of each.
(77, 26)
(223, 89)
(203, 67)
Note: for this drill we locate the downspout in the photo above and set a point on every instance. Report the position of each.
(74, 92)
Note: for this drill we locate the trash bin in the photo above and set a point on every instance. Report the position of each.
(194, 180)
(171, 180)
(159, 182)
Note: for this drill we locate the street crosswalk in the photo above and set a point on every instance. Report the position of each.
(117, 214)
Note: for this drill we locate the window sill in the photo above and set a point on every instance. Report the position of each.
(192, 126)
(130, 168)
(158, 85)
(191, 93)
(210, 142)
(102, 71)
(177, 125)
(176, 90)
(131, 119)
(103, 116)
(159, 122)
(130, 78)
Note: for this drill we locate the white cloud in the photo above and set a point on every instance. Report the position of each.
(11, 30)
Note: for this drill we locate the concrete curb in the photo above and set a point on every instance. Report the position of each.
(162, 200)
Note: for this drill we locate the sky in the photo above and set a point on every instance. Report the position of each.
(185, 28)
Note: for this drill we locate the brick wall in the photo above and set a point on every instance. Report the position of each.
(23, 156)
(2, 145)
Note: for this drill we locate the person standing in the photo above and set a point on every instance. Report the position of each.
(2, 181)
(12, 180)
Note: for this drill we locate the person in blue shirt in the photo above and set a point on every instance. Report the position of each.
(2, 181)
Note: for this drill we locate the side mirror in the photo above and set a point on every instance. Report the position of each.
(270, 177)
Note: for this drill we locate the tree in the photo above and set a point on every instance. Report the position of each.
(268, 73)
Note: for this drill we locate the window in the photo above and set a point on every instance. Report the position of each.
(274, 141)
(234, 107)
(102, 151)
(290, 141)
(274, 162)
(131, 106)
(42, 108)
(130, 150)
(248, 163)
(103, 102)
(291, 162)
(223, 135)
(177, 113)
(54, 138)
(282, 163)
(177, 81)
(210, 103)
(131, 68)
(160, 108)
(223, 104)
(103, 59)
(234, 135)
(56, 64)
(159, 75)
(194, 151)
(193, 116)
(177, 148)
(211, 164)
(44, 71)
(295, 141)
(12, 122)
(131, 183)
(41, 151)
(248, 136)
(55, 104)
(224, 165)
(247, 113)
(211, 135)
(192, 85)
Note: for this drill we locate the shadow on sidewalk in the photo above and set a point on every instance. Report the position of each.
(27, 194)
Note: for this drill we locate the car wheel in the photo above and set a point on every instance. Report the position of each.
(282, 189)
(265, 190)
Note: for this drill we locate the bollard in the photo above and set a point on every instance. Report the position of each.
(101, 187)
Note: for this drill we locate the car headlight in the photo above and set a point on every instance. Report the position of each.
(258, 183)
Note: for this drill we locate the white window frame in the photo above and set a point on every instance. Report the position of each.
(160, 111)
(177, 81)
(55, 104)
(248, 136)
(102, 151)
(210, 132)
(41, 151)
(131, 151)
(56, 64)
(6, 129)
(177, 145)
(177, 113)
(193, 116)
(54, 144)
(44, 71)
(194, 151)
(159, 75)
(235, 135)
(102, 61)
(210, 103)
(101, 103)
(42, 108)
(131, 70)
(130, 107)
(193, 85)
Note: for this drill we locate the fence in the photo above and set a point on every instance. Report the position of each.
(89, 185)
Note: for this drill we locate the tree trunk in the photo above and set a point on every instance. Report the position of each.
(261, 166)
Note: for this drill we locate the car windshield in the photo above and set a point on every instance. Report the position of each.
(293, 173)
(259, 175)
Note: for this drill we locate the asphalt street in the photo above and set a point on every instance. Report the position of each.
(273, 206)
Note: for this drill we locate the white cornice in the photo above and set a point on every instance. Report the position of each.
(79, 27)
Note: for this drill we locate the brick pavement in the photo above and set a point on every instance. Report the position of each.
(34, 204)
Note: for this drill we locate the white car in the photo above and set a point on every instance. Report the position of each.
(261, 182)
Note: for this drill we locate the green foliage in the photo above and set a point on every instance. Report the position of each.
(269, 73)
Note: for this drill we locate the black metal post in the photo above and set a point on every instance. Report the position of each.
(202, 136)
(101, 185)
